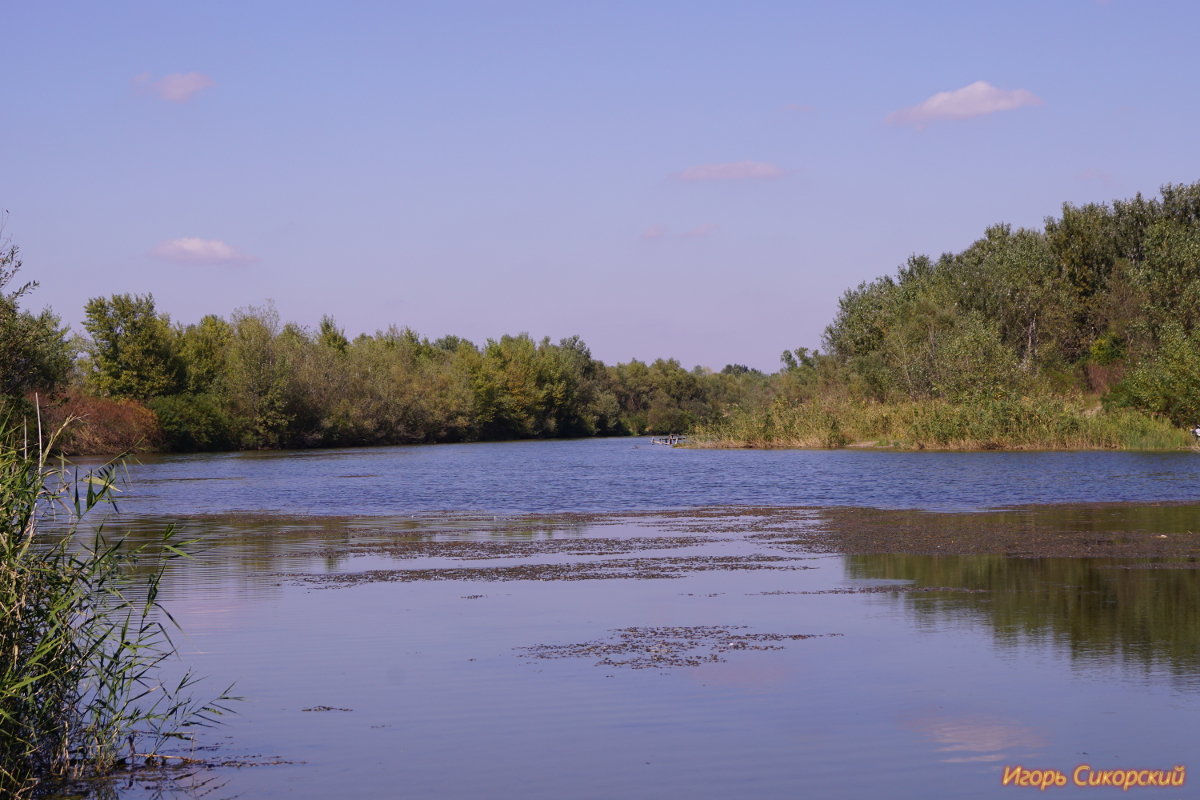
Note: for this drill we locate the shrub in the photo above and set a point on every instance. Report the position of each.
(192, 422)
(1167, 383)
(102, 426)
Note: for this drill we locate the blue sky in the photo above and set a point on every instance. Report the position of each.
(689, 179)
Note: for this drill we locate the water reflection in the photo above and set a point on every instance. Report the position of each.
(978, 739)
(1143, 616)
(945, 667)
(1139, 614)
(250, 552)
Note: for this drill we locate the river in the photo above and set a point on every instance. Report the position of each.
(607, 618)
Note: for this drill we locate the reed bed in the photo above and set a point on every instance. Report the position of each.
(1002, 423)
(82, 636)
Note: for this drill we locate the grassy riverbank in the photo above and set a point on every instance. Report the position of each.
(1018, 423)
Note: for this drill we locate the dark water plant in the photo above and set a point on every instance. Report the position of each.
(83, 639)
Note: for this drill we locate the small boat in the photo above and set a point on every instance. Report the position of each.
(670, 439)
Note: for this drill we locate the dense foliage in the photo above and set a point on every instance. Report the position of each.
(251, 381)
(33, 350)
(1016, 341)
(1011, 342)
(1105, 299)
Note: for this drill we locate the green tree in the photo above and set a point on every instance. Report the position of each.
(331, 336)
(258, 379)
(509, 397)
(1169, 276)
(204, 350)
(34, 353)
(1168, 381)
(132, 349)
(1010, 279)
(575, 402)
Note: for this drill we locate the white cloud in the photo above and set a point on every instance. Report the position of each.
(974, 100)
(193, 250)
(654, 232)
(178, 87)
(736, 171)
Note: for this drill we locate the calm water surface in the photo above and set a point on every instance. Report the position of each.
(506, 650)
(621, 474)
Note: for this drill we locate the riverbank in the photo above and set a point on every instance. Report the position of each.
(1004, 423)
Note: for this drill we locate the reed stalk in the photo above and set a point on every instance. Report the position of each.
(83, 638)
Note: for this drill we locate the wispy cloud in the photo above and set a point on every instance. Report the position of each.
(178, 87)
(193, 250)
(735, 171)
(799, 108)
(974, 100)
(654, 232)
(700, 231)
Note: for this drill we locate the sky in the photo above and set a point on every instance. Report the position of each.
(694, 180)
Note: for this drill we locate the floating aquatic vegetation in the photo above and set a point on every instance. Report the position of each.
(661, 647)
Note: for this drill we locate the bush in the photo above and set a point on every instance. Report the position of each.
(1167, 383)
(102, 426)
(193, 422)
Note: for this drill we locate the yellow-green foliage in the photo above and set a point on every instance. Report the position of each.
(1000, 422)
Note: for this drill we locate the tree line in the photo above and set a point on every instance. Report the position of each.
(1083, 333)
(250, 381)
(1100, 307)
(1105, 299)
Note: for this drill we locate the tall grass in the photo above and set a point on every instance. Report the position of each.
(82, 636)
(1004, 422)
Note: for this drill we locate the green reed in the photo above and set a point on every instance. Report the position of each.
(82, 635)
(1009, 422)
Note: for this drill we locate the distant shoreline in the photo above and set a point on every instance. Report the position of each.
(1041, 422)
